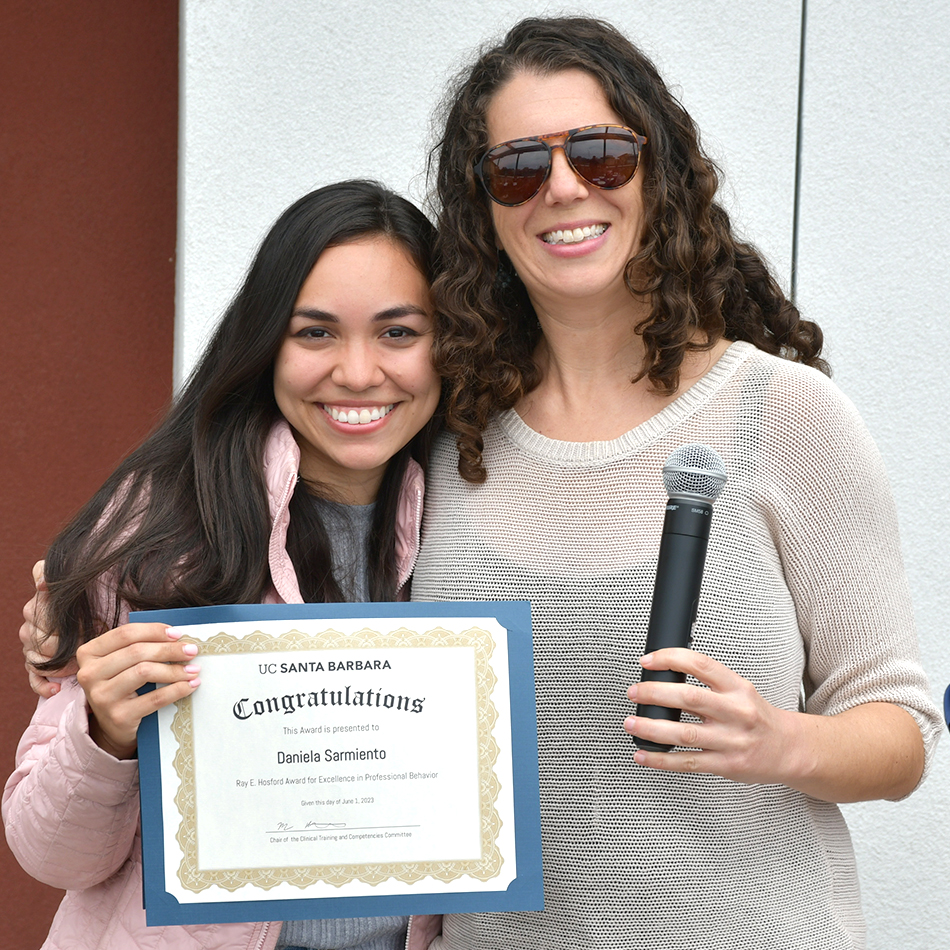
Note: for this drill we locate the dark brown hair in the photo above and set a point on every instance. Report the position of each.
(184, 520)
(694, 271)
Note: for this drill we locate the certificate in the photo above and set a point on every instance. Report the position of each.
(344, 760)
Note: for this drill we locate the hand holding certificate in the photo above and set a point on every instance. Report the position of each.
(344, 760)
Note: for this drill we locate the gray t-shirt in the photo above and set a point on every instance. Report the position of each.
(348, 527)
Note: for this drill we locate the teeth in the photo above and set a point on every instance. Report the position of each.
(358, 417)
(575, 236)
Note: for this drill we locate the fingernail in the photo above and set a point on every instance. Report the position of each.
(639, 757)
(646, 659)
(630, 724)
(195, 682)
(632, 692)
(172, 633)
(54, 689)
(192, 669)
(189, 649)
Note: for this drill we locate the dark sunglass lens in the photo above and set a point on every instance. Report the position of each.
(606, 156)
(515, 171)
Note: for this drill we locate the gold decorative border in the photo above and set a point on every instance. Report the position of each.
(488, 866)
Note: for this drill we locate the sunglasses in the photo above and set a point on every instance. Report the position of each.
(603, 155)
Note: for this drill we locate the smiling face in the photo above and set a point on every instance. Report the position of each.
(354, 376)
(608, 223)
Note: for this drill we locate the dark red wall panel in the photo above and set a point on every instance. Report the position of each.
(88, 163)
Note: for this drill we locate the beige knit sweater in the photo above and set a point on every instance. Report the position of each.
(804, 585)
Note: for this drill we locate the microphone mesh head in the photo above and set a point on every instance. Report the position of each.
(694, 471)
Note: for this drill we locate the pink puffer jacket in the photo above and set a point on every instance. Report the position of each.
(71, 811)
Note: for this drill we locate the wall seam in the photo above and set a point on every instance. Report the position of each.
(799, 129)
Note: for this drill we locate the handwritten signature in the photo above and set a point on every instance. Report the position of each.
(318, 825)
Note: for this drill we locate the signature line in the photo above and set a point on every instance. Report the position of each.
(324, 827)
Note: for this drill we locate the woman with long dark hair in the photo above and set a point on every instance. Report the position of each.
(597, 312)
(290, 469)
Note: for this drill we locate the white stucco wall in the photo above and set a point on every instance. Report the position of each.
(873, 244)
(276, 92)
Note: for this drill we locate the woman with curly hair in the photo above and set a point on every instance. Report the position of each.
(598, 312)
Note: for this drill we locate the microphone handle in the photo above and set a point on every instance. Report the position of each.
(679, 577)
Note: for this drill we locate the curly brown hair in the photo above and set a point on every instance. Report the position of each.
(696, 274)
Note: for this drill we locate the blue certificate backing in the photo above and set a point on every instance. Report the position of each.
(523, 893)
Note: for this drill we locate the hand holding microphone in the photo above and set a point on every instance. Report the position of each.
(740, 736)
(694, 476)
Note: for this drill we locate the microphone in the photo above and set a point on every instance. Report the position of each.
(694, 476)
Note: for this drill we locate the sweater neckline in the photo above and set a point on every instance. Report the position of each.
(516, 429)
